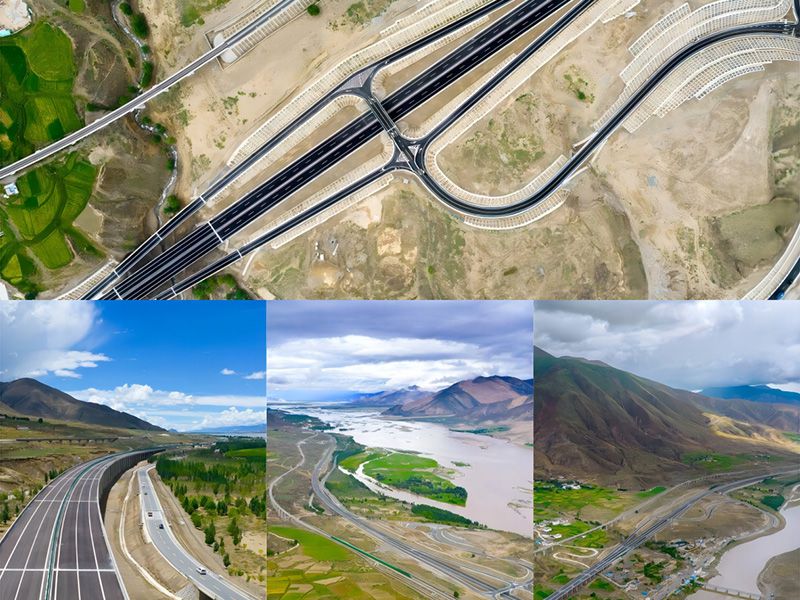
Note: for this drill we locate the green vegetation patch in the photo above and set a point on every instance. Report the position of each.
(795, 437)
(774, 502)
(651, 492)
(595, 539)
(37, 72)
(360, 13)
(77, 6)
(552, 499)
(38, 221)
(711, 461)
(601, 584)
(439, 515)
(414, 473)
(313, 545)
(192, 11)
(219, 287)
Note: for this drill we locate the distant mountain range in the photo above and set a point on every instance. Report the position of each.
(482, 399)
(593, 420)
(389, 398)
(258, 428)
(32, 398)
(753, 393)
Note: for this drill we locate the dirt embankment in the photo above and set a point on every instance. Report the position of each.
(125, 495)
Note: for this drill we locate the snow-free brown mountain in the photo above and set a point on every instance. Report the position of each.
(35, 399)
(595, 421)
(478, 400)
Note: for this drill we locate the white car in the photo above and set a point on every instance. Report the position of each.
(201, 570)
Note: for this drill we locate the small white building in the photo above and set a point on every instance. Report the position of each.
(11, 189)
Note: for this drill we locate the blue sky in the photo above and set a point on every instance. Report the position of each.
(182, 365)
(324, 351)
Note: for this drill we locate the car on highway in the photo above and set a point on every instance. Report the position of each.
(201, 570)
(161, 526)
(149, 514)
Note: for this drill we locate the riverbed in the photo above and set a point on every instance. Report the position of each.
(498, 480)
(740, 566)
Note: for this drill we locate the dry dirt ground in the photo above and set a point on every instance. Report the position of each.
(780, 576)
(211, 113)
(699, 204)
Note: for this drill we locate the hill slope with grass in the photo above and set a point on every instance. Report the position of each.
(34, 399)
(597, 422)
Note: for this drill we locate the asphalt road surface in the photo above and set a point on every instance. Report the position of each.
(204, 239)
(212, 584)
(57, 547)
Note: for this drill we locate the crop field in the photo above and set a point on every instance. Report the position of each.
(315, 568)
(409, 472)
(651, 492)
(37, 222)
(595, 539)
(313, 545)
(711, 461)
(37, 73)
(550, 500)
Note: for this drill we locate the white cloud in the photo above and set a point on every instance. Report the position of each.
(128, 396)
(786, 387)
(232, 416)
(256, 375)
(368, 364)
(40, 338)
(228, 372)
(684, 344)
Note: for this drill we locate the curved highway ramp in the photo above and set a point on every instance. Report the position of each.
(57, 548)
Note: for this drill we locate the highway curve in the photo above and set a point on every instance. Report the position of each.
(57, 548)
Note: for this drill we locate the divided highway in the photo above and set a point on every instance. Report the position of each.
(153, 275)
(644, 533)
(160, 532)
(57, 548)
(462, 575)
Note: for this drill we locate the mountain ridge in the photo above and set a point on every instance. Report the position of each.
(35, 399)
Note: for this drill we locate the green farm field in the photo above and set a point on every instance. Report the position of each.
(551, 501)
(313, 545)
(37, 223)
(37, 73)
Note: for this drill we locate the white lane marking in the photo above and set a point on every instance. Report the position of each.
(221, 241)
(51, 489)
(116, 292)
(28, 558)
(91, 537)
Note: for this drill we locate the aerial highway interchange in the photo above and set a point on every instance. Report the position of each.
(145, 273)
